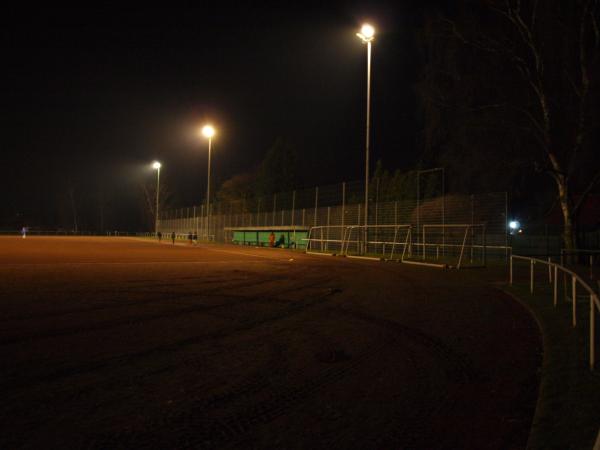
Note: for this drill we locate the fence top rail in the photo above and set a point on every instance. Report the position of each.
(451, 225)
(564, 269)
(267, 228)
(578, 250)
(400, 225)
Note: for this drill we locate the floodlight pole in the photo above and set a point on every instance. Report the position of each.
(157, 195)
(368, 129)
(208, 192)
(367, 34)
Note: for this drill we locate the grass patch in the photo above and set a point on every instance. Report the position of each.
(568, 410)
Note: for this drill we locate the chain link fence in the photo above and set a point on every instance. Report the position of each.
(439, 222)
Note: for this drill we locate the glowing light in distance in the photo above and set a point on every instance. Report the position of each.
(367, 32)
(208, 131)
(514, 224)
(156, 165)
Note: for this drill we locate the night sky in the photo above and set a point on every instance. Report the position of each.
(90, 97)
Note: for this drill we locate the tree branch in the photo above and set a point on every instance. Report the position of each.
(585, 193)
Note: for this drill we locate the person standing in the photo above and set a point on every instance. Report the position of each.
(173, 237)
(24, 232)
(159, 236)
(272, 239)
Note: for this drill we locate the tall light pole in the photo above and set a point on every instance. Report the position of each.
(156, 166)
(367, 34)
(208, 132)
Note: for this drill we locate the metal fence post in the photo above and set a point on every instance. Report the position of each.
(377, 211)
(531, 263)
(328, 221)
(592, 333)
(574, 302)
(418, 207)
(472, 222)
(510, 271)
(202, 221)
(293, 209)
(555, 285)
(443, 211)
(549, 270)
(274, 207)
(316, 205)
(506, 223)
(343, 203)
(258, 213)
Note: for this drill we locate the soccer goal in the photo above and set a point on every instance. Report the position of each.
(325, 239)
(457, 245)
(390, 242)
(376, 241)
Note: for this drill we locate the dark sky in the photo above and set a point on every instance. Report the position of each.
(90, 97)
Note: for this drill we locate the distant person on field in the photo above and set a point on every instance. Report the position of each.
(190, 238)
(173, 237)
(24, 232)
(280, 242)
(159, 236)
(195, 238)
(272, 239)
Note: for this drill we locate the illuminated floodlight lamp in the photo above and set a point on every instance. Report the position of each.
(367, 33)
(208, 131)
(156, 165)
(514, 225)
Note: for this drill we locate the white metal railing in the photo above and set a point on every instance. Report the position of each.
(553, 271)
(593, 255)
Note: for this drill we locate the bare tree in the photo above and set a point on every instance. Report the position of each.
(552, 47)
(148, 192)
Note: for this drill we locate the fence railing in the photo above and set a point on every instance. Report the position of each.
(553, 273)
(76, 233)
(586, 259)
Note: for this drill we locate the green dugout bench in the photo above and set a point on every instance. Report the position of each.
(259, 236)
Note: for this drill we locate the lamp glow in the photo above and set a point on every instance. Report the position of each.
(156, 165)
(514, 224)
(208, 131)
(367, 33)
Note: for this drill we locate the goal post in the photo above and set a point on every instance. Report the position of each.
(382, 241)
(326, 239)
(385, 241)
(461, 245)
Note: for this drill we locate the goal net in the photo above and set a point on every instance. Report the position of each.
(455, 245)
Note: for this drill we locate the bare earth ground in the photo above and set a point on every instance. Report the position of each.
(122, 343)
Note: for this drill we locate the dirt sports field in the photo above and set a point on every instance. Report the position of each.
(113, 343)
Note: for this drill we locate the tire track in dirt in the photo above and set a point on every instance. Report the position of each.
(114, 305)
(458, 370)
(195, 428)
(20, 381)
(176, 312)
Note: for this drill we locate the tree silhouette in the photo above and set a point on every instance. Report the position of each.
(510, 89)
